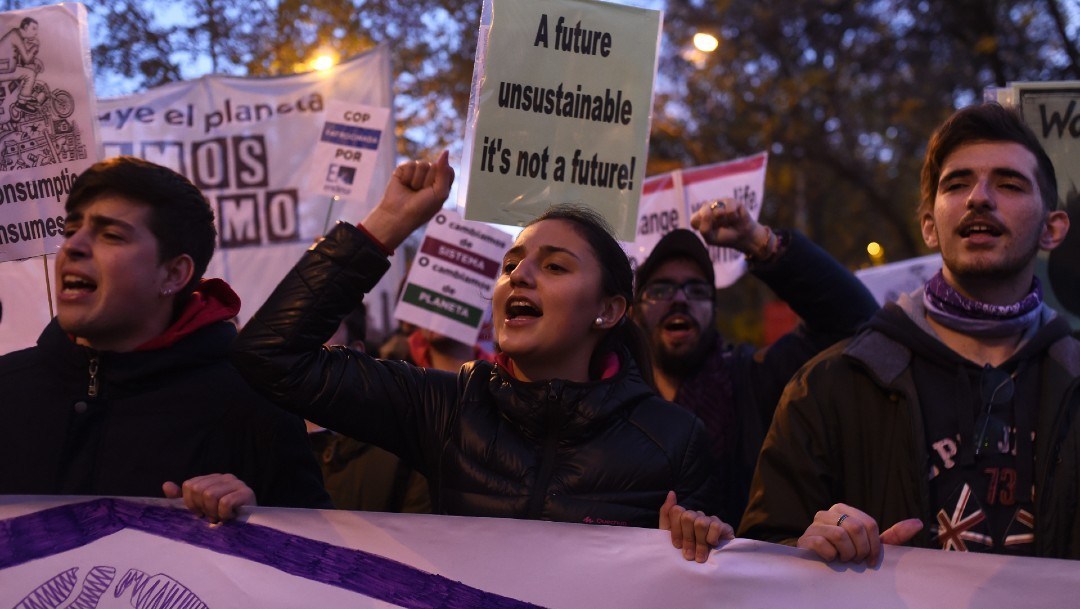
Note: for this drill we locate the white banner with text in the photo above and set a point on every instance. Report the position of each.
(111, 553)
(247, 143)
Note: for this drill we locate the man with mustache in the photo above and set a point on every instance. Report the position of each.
(947, 422)
(734, 388)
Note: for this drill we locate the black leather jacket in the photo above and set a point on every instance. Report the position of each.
(604, 452)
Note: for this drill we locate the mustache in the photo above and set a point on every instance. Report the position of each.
(980, 217)
(680, 310)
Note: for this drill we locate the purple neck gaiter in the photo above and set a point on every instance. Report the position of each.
(957, 312)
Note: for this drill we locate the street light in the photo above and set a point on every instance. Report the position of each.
(703, 44)
(876, 253)
(324, 61)
(706, 43)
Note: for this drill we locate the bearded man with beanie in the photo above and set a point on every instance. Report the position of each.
(734, 389)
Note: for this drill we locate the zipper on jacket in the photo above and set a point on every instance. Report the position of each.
(547, 459)
(92, 389)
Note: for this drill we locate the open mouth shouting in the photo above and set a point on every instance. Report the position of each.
(679, 326)
(74, 286)
(521, 311)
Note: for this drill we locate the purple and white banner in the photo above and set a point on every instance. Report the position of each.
(111, 553)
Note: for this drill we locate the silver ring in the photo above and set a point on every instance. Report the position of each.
(841, 519)
(716, 205)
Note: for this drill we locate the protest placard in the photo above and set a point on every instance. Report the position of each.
(1052, 110)
(448, 288)
(669, 200)
(561, 100)
(246, 144)
(47, 128)
(345, 155)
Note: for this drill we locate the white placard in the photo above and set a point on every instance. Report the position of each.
(345, 155)
(48, 134)
(888, 281)
(449, 286)
(670, 199)
(560, 110)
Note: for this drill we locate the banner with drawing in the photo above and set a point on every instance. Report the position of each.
(668, 200)
(247, 144)
(448, 289)
(112, 553)
(560, 110)
(47, 128)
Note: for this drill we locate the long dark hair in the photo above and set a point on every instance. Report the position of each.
(616, 279)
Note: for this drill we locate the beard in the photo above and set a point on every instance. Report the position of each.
(1011, 265)
(684, 362)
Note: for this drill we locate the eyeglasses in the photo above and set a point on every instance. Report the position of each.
(997, 388)
(658, 291)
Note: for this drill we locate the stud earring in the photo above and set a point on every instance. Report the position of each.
(599, 321)
(166, 291)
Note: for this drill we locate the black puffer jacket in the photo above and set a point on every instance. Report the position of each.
(601, 452)
(167, 414)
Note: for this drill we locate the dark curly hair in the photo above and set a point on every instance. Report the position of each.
(181, 218)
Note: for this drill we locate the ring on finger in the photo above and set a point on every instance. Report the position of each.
(717, 205)
(841, 519)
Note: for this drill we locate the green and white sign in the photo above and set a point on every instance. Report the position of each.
(449, 286)
(560, 109)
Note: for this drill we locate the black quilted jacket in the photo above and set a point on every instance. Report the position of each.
(603, 452)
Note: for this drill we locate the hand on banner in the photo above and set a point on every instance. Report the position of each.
(216, 497)
(414, 194)
(849, 535)
(695, 532)
(727, 223)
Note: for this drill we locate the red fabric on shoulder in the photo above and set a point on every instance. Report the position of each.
(211, 302)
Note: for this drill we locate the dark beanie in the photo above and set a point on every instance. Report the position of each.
(679, 243)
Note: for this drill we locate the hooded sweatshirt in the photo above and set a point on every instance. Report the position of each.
(84, 422)
(980, 500)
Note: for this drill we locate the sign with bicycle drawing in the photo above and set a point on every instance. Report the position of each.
(47, 127)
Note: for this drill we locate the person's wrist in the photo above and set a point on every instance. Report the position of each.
(763, 245)
(384, 227)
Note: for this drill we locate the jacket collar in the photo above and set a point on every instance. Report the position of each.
(887, 358)
(567, 408)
